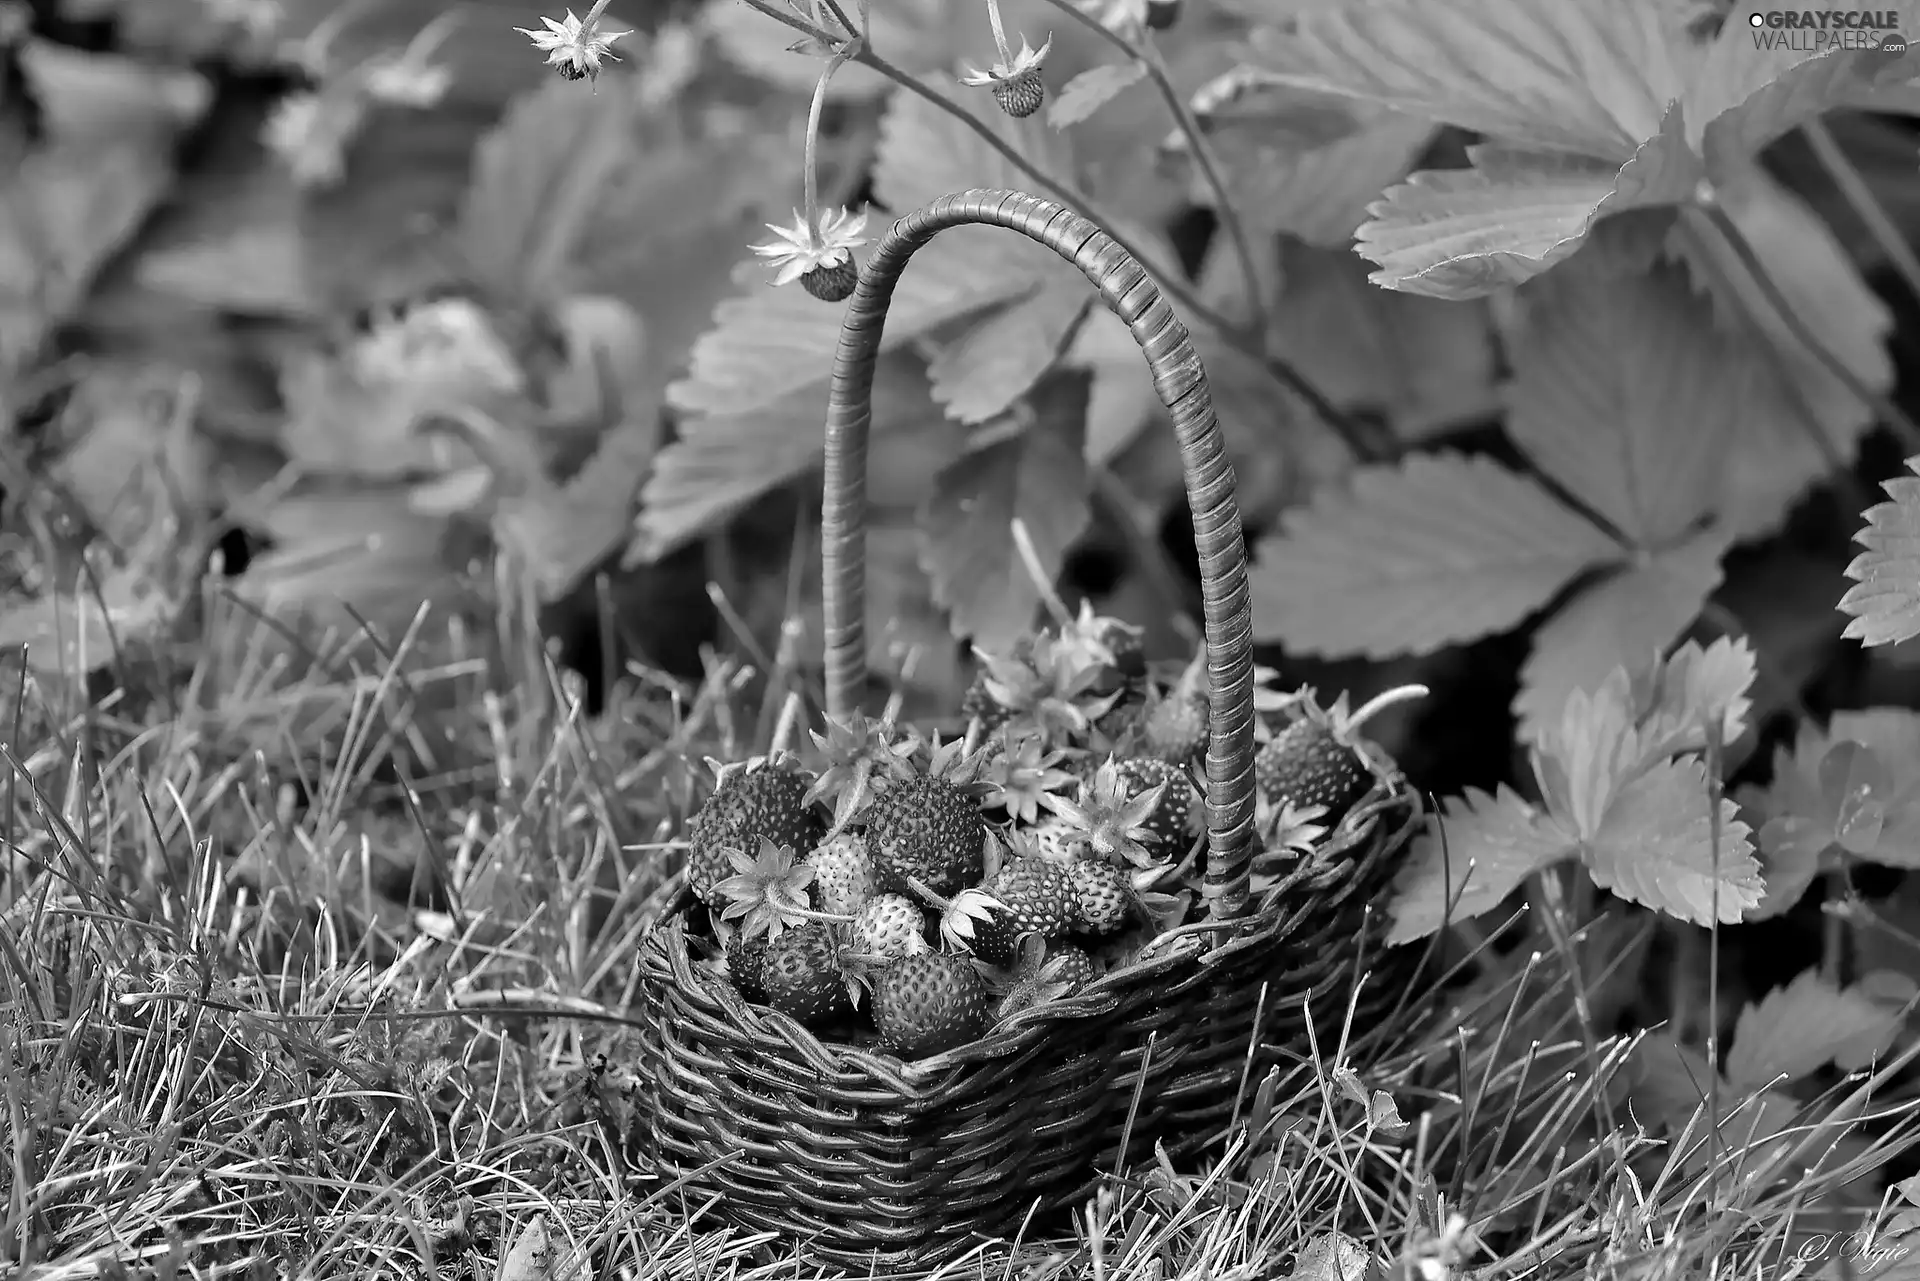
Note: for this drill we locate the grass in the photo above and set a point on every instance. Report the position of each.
(273, 924)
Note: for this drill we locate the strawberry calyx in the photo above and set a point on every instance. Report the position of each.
(961, 914)
(1112, 817)
(767, 894)
(855, 751)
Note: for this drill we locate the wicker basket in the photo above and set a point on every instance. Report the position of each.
(870, 1163)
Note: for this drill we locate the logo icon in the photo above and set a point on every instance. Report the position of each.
(1892, 44)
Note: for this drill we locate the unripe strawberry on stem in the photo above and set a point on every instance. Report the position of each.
(832, 281)
(1020, 95)
(1015, 78)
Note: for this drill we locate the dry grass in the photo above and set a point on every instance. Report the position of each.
(272, 929)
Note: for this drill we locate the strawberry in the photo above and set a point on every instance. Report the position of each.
(1054, 839)
(759, 801)
(979, 704)
(1103, 895)
(1075, 966)
(832, 282)
(929, 829)
(1315, 761)
(1113, 646)
(746, 966)
(928, 1003)
(890, 927)
(1175, 818)
(801, 976)
(1020, 95)
(1174, 726)
(1037, 898)
(842, 874)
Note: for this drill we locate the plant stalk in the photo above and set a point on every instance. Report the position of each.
(811, 178)
(1147, 54)
(999, 33)
(1882, 406)
(1860, 198)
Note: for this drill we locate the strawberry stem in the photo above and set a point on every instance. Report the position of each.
(1030, 558)
(808, 914)
(999, 33)
(593, 14)
(815, 110)
(1380, 702)
(928, 893)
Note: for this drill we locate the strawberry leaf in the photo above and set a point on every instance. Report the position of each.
(1408, 558)
(723, 461)
(1091, 90)
(1796, 1030)
(1655, 847)
(1626, 619)
(1622, 393)
(997, 358)
(926, 153)
(1581, 759)
(1852, 789)
(345, 554)
(1773, 458)
(1745, 93)
(769, 343)
(1464, 233)
(1558, 75)
(1693, 688)
(102, 162)
(1473, 854)
(1038, 475)
(562, 532)
(1793, 851)
(772, 342)
(530, 201)
(1885, 599)
(1319, 193)
(1889, 832)
(1421, 363)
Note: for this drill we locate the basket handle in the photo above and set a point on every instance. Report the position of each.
(1182, 383)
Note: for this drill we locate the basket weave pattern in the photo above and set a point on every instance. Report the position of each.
(868, 1162)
